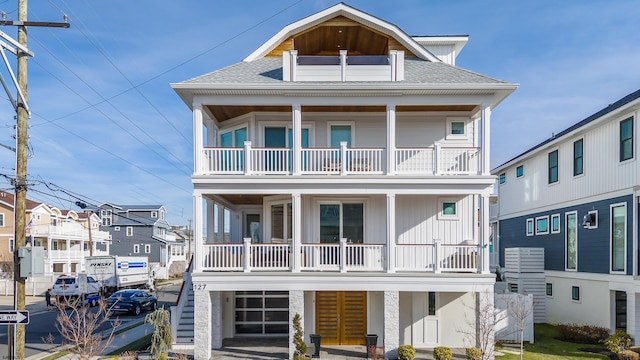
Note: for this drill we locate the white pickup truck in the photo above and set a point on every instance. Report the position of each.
(71, 287)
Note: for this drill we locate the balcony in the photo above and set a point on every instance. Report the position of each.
(430, 160)
(72, 254)
(343, 67)
(71, 231)
(342, 257)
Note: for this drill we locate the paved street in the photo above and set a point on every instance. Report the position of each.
(42, 322)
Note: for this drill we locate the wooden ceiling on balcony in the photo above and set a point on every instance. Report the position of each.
(340, 33)
(223, 113)
(241, 199)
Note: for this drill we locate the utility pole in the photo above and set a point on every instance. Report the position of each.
(20, 181)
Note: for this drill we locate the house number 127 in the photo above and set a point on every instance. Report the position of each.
(197, 287)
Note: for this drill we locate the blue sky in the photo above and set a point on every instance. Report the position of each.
(107, 127)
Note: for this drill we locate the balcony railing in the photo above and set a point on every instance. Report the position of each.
(430, 160)
(72, 231)
(341, 257)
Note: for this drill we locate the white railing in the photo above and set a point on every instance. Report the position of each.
(65, 254)
(71, 231)
(430, 160)
(270, 161)
(342, 257)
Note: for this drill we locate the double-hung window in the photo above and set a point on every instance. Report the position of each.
(1, 220)
(553, 167)
(129, 230)
(626, 139)
(578, 157)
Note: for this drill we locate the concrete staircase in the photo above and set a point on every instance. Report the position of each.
(182, 315)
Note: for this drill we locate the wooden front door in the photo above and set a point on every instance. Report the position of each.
(341, 317)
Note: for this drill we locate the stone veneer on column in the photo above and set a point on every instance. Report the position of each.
(296, 306)
(391, 324)
(202, 325)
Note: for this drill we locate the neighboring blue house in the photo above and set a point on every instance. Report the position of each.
(576, 196)
(142, 230)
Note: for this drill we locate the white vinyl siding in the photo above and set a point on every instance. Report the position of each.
(605, 173)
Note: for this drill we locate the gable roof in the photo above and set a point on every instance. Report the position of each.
(605, 111)
(342, 9)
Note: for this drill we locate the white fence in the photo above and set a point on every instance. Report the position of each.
(514, 313)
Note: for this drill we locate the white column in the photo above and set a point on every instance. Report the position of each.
(211, 220)
(485, 118)
(391, 139)
(296, 306)
(197, 138)
(391, 233)
(197, 234)
(485, 234)
(343, 65)
(297, 138)
(633, 325)
(221, 224)
(391, 339)
(296, 244)
(202, 325)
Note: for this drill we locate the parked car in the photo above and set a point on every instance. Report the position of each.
(132, 301)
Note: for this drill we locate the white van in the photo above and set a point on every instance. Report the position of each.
(70, 287)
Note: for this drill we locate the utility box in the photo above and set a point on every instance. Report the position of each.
(31, 261)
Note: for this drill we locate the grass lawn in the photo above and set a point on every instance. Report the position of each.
(546, 346)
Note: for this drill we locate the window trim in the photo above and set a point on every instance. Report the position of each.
(529, 228)
(442, 215)
(116, 228)
(555, 231)
(566, 238)
(548, 289)
(129, 231)
(575, 287)
(147, 248)
(556, 167)
(136, 248)
(622, 141)
(352, 124)
(626, 223)
(450, 135)
(232, 129)
(11, 245)
(154, 214)
(340, 202)
(581, 141)
(541, 218)
(1, 219)
(502, 178)
(521, 174)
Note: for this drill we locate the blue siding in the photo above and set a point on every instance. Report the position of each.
(594, 245)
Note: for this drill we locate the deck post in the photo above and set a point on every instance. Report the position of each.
(343, 255)
(343, 157)
(247, 157)
(246, 249)
(437, 252)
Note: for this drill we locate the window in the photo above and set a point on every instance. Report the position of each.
(529, 227)
(340, 133)
(1, 220)
(154, 214)
(116, 228)
(129, 230)
(105, 216)
(503, 178)
(281, 222)
(542, 225)
(549, 289)
(12, 245)
(342, 220)
(578, 158)
(456, 129)
(234, 138)
(147, 249)
(553, 167)
(618, 237)
(136, 249)
(432, 304)
(626, 139)
(448, 209)
(555, 223)
(575, 293)
(571, 241)
(520, 171)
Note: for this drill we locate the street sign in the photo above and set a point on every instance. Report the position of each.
(14, 317)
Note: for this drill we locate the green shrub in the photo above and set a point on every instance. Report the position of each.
(582, 334)
(628, 355)
(473, 353)
(442, 353)
(406, 352)
(619, 341)
(298, 338)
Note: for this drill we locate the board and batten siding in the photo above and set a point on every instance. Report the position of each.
(594, 245)
(603, 171)
(417, 220)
